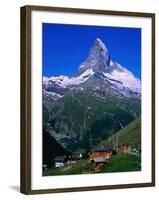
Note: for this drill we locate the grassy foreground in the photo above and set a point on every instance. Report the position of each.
(122, 163)
(78, 168)
(118, 163)
(130, 134)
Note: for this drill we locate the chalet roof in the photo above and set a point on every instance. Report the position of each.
(103, 148)
(99, 159)
(76, 156)
(59, 158)
(80, 151)
(76, 153)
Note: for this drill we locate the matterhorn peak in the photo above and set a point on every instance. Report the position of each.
(98, 42)
(98, 58)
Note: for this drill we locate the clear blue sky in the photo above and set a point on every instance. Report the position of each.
(65, 47)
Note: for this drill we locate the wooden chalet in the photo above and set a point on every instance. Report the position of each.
(76, 155)
(98, 160)
(59, 161)
(124, 148)
(104, 152)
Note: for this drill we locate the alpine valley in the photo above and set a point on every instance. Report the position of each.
(101, 99)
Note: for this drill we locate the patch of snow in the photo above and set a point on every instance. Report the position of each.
(81, 88)
(102, 45)
(52, 94)
(93, 62)
(65, 81)
(45, 78)
(111, 63)
(124, 79)
(81, 66)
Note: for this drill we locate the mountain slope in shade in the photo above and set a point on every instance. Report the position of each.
(81, 115)
(131, 134)
(51, 149)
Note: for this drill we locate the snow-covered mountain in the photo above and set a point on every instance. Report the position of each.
(65, 81)
(99, 100)
(97, 70)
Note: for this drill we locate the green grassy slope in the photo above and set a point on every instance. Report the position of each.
(78, 168)
(117, 163)
(131, 135)
(122, 163)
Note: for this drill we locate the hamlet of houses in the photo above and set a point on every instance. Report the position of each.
(96, 156)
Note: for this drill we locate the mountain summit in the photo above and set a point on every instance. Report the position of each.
(98, 58)
(100, 61)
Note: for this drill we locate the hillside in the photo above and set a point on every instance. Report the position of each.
(117, 163)
(51, 149)
(131, 135)
(84, 114)
(122, 163)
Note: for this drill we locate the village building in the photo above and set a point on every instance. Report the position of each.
(119, 148)
(125, 148)
(77, 155)
(60, 161)
(99, 160)
(97, 163)
(104, 152)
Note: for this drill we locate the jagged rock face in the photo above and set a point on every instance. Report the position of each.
(98, 59)
(102, 96)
